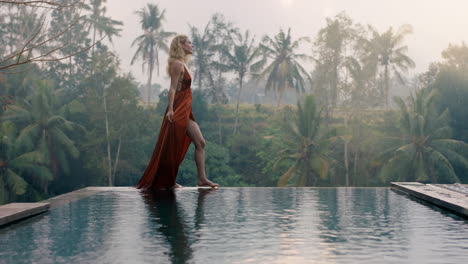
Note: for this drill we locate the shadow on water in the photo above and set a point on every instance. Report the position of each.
(434, 207)
(171, 219)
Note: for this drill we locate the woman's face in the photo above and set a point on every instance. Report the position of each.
(187, 46)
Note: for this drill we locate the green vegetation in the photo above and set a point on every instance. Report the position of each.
(426, 150)
(305, 147)
(271, 116)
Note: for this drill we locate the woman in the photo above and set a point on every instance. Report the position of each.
(178, 128)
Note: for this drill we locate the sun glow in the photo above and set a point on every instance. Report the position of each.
(287, 3)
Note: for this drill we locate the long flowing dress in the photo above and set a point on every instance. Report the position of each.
(172, 143)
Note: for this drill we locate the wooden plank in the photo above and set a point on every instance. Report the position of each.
(453, 201)
(13, 212)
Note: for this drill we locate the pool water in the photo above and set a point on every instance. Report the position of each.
(240, 225)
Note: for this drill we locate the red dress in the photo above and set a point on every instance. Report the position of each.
(172, 143)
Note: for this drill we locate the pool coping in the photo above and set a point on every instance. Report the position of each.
(14, 212)
(453, 201)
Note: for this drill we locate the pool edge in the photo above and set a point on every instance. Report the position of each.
(452, 201)
(14, 212)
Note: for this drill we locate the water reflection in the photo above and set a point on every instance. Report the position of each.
(62, 233)
(171, 222)
(240, 225)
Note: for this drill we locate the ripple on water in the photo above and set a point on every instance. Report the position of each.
(240, 225)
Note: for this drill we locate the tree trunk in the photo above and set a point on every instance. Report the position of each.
(387, 85)
(52, 157)
(237, 106)
(278, 101)
(70, 70)
(157, 60)
(94, 40)
(334, 91)
(199, 79)
(220, 130)
(149, 85)
(346, 161)
(109, 159)
(151, 68)
(356, 154)
(92, 52)
(117, 157)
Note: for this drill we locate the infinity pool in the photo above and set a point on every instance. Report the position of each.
(240, 225)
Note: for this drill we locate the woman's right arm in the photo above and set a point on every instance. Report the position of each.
(177, 73)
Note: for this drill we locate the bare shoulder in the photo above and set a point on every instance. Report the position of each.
(176, 67)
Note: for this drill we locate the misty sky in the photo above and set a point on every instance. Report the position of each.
(436, 23)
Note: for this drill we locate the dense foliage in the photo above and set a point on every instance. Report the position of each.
(270, 117)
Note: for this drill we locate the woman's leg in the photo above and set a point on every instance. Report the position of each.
(193, 131)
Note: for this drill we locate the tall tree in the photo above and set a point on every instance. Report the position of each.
(285, 71)
(153, 39)
(68, 74)
(241, 59)
(208, 59)
(450, 80)
(217, 34)
(425, 150)
(203, 53)
(360, 90)
(100, 23)
(389, 53)
(105, 70)
(331, 48)
(306, 147)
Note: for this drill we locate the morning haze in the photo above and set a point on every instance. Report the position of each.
(435, 23)
(357, 107)
(369, 116)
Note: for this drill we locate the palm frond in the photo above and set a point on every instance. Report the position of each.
(442, 165)
(283, 180)
(15, 182)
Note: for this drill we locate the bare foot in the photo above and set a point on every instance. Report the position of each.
(208, 183)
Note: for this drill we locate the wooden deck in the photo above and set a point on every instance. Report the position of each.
(451, 197)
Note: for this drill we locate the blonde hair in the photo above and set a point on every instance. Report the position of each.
(176, 52)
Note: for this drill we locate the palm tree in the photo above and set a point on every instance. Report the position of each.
(425, 151)
(362, 86)
(387, 51)
(151, 41)
(207, 57)
(284, 72)
(203, 53)
(306, 147)
(14, 163)
(240, 58)
(101, 24)
(46, 131)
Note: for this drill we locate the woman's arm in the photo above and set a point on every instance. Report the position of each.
(177, 74)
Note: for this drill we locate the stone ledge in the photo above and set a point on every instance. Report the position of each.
(445, 198)
(13, 212)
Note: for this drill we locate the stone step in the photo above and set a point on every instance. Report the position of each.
(13, 212)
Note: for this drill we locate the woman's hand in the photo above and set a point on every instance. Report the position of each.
(169, 115)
